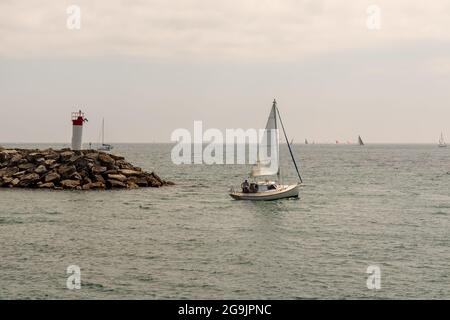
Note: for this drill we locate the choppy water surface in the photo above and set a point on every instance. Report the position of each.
(385, 205)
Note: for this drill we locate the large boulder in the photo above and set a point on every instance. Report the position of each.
(91, 156)
(49, 162)
(6, 155)
(33, 156)
(15, 159)
(70, 184)
(141, 182)
(29, 180)
(98, 185)
(115, 184)
(7, 172)
(26, 166)
(40, 161)
(132, 185)
(67, 170)
(118, 177)
(153, 181)
(128, 172)
(19, 174)
(15, 182)
(75, 158)
(48, 185)
(40, 169)
(99, 178)
(116, 157)
(154, 175)
(66, 155)
(52, 177)
(52, 156)
(105, 159)
(98, 170)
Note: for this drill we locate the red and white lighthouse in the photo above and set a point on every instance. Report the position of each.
(78, 119)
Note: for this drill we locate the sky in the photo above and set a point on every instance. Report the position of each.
(150, 67)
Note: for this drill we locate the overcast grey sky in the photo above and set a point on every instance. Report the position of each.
(150, 67)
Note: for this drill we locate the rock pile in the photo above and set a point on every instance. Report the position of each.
(75, 170)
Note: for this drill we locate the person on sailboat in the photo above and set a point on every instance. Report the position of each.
(253, 187)
(245, 186)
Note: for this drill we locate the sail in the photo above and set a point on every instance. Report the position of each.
(268, 151)
(306, 141)
(361, 143)
(441, 139)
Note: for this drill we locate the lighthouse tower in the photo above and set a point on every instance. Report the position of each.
(77, 129)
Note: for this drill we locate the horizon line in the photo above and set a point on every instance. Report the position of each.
(207, 142)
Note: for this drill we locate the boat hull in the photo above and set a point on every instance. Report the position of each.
(288, 191)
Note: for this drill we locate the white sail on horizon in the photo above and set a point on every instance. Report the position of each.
(360, 142)
(441, 140)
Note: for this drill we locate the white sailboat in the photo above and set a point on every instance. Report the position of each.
(104, 146)
(268, 189)
(360, 142)
(441, 141)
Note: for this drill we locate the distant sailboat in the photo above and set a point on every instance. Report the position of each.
(104, 146)
(360, 142)
(266, 189)
(441, 141)
(292, 142)
(306, 141)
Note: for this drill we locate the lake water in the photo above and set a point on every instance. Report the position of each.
(382, 205)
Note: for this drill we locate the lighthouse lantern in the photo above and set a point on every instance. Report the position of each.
(78, 119)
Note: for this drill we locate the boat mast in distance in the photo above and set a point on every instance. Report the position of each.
(441, 141)
(104, 146)
(360, 142)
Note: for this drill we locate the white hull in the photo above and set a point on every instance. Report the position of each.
(285, 191)
(105, 148)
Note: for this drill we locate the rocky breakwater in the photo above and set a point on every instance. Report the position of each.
(73, 170)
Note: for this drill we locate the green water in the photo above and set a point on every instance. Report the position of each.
(384, 205)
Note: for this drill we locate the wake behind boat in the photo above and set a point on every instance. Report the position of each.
(268, 189)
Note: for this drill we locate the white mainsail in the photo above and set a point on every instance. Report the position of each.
(268, 151)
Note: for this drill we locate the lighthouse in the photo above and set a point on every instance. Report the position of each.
(77, 129)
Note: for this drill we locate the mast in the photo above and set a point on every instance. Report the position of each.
(103, 131)
(287, 141)
(276, 127)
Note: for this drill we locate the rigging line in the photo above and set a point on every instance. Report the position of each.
(289, 146)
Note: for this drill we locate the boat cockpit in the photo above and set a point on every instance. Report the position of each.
(260, 186)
